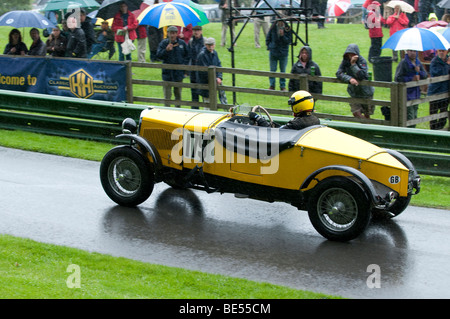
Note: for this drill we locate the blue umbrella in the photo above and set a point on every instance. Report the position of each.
(417, 39)
(445, 32)
(25, 19)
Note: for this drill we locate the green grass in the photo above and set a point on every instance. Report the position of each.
(34, 270)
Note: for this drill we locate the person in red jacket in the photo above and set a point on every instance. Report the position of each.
(374, 21)
(396, 22)
(124, 22)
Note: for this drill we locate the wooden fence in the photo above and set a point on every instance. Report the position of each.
(397, 98)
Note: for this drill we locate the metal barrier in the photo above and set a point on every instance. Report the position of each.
(101, 121)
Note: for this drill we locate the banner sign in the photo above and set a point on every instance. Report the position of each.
(82, 79)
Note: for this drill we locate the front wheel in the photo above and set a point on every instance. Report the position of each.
(339, 209)
(126, 176)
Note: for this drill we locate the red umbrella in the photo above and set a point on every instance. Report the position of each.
(338, 7)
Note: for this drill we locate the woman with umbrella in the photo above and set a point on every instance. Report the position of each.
(15, 45)
(124, 22)
(397, 21)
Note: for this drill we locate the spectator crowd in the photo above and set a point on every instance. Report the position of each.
(177, 45)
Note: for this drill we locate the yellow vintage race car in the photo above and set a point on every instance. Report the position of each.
(339, 179)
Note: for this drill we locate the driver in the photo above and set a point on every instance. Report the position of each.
(302, 104)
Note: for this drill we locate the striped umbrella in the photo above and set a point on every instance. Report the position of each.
(338, 7)
(169, 13)
(197, 8)
(417, 39)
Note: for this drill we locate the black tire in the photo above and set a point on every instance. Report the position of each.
(339, 209)
(126, 176)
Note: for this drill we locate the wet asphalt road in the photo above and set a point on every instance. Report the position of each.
(60, 200)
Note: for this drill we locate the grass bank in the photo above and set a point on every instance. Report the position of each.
(34, 270)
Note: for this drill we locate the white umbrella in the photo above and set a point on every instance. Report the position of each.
(406, 7)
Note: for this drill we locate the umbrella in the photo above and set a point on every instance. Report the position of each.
(338, 7)
(109, 8)
(142, 7)
(431, 24)
(444, 4)
(24, 19)
(54, 5)
(418, 39)
(444, 31)
(169, 13)
(406, 7)
(198, 9)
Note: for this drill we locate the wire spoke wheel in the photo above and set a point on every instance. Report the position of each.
(127, 176)
(339, 209)
(124, 176)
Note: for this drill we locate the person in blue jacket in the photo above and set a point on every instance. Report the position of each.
(410, 69)
(278, 40)
(440, 65)
(173, 50)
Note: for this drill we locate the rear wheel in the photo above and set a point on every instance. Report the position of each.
(339, 209)
(126, 176)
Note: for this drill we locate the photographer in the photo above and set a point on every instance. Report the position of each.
(173, 50)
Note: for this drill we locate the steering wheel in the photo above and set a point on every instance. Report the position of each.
(259, 108)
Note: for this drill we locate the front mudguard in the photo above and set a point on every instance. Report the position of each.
(363, 180)
(146, 147)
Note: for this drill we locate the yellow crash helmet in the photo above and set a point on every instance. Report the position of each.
(301, 101)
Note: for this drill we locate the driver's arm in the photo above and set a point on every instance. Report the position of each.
(259, 120)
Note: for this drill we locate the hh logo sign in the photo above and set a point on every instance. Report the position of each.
(81, 84)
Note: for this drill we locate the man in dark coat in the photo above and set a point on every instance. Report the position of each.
(38, 47)
(173, 50)
(352, 70)
(196, 44)
(88, 28)
(207, 57)
(278, 40)
(76, 43)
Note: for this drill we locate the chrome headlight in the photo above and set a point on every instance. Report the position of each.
(129, 126)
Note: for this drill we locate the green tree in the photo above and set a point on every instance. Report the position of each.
(6, 6)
